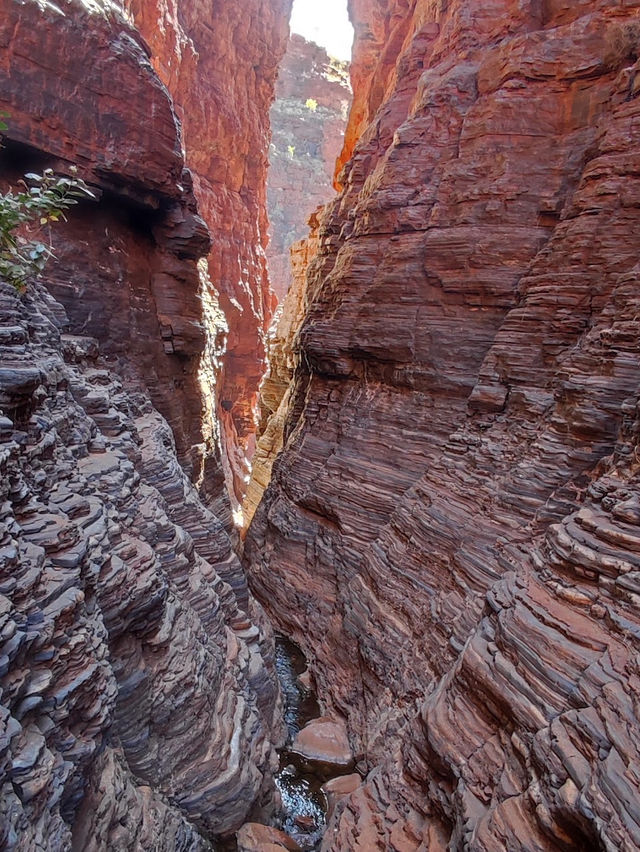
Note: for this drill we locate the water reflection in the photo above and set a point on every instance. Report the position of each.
(304, 804)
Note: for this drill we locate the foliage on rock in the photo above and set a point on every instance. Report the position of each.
(24, 216)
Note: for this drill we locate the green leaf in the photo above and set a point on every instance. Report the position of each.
(23, 212)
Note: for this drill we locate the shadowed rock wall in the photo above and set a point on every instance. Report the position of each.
(136, 707)
(451, 531)
(219, 61)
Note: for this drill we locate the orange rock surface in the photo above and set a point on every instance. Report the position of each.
(219, 63)
(308, 119)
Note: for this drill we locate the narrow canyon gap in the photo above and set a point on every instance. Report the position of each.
(444, 510)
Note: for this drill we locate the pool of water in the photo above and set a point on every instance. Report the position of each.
(304, 805)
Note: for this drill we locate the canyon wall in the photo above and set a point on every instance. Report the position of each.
(275, 391)
(219, 61)
(308, 119)
(136, 702)
(452, 529)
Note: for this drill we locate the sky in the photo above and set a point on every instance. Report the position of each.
(326, 22)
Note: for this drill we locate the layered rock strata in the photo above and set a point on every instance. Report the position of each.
(308, 116)
(126, 267)
(136, 705)
(308, 119)
(219, 61)
(451, 529)
(275, 391)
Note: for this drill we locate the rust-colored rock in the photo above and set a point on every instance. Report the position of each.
(254, 837)
(134, 283)
(451, 529)
(308, 119)
(275, 394)
(219, 62)
(381, 26)
(338, 789)
(324, 740)
(136, 703)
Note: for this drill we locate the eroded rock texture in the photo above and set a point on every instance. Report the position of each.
(135, 703)
(452, 528)
(126, 270)
(136, 709)
(308, 126)
(219, 61)
(308, 119)
(275, 391)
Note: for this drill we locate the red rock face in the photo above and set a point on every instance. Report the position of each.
(308, 119)
(380, 27)
(451, 529)
(219, 62)
(136, 706)
(275, 391)
(134, 283)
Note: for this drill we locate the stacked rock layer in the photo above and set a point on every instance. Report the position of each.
(136, 705)
(451, 531)
(275, 391)
(308, 119)
(219, 61)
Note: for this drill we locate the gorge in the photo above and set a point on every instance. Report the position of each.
(443, 508)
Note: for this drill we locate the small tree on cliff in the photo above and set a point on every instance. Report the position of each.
(23, 217)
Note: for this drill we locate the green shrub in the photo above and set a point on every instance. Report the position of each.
(25, 215)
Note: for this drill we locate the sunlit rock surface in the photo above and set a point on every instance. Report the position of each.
(308, 119)
(219, 61)
(126, 267)
(308, 126)
(275, 395)
(451, 531)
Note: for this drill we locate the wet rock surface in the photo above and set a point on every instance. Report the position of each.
(444, 530)
(316, 752)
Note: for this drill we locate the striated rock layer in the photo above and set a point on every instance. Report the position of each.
(308, 118)
(452, 529)
(275, 391)
(136, 709)
(136, 705)
(219, 61)
(126, 267)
